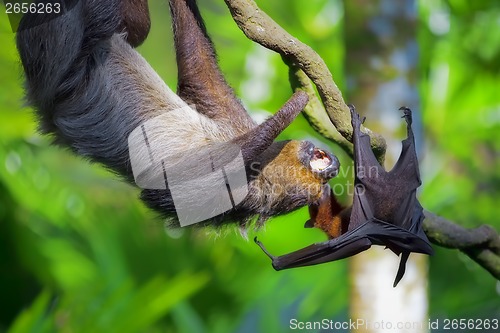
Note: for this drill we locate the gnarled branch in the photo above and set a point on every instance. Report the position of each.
(481, 244)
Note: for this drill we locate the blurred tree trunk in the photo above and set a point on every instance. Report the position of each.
(382, 58)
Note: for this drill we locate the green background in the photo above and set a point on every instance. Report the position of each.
(80, 253)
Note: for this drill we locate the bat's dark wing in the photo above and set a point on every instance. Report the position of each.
(372, 232)
(385, 209)
(389, 196)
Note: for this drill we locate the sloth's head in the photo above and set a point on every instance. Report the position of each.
(288, 175)
(246, 176)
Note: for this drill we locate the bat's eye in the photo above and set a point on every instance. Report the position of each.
(325, 164)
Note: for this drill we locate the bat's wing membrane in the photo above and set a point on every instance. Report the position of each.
(372, 232)
(388, 199)
(335, 249)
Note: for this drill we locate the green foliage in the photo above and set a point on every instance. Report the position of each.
(80, 253)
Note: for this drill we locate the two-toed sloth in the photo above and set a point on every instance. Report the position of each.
(97, 95)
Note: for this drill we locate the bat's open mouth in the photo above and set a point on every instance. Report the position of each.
(323, 163)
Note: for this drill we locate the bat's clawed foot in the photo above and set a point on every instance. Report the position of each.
(406, 114)
(356, 120)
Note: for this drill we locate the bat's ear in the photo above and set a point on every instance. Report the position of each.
(309, 224)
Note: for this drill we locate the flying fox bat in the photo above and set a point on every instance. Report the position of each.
(385, 209)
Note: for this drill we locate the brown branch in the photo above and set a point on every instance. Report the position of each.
(481, 244)
(260, 28)
(314, 111)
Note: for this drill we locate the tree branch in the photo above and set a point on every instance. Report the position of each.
(481, 244)
(314, 111)
(260, 28)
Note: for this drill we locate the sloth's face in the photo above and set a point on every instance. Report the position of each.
(288, 175)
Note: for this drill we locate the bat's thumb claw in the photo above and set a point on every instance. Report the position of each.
(263, 248)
